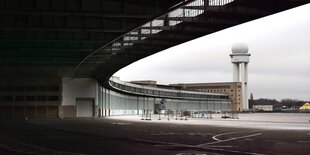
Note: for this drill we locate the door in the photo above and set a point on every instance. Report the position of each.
(84, 107)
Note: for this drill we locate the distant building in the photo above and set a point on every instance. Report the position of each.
(233, 89)
(251, 101)
(263, 107)
(306, 106)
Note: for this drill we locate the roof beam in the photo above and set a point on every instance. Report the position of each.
(50, 41)
(82, 14)
(156, 27)
(184, 19)
(63, 29)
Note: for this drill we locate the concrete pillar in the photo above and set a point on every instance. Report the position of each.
(243, 86)
(236, 73)
(246, 102)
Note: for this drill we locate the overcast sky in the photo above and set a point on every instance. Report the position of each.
(279, 64)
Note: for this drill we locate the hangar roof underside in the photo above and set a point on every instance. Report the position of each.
(50, 37)
(96, 38)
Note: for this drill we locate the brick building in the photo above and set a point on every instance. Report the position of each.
(231, 88)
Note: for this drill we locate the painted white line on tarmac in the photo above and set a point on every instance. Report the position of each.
(160, 143)
(229, 133)
(164, 143)
(230, 139)
(120, 123)
(220, 146)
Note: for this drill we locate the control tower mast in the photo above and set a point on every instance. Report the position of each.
(240, 59)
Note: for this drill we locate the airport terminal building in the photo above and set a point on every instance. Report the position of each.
(84, 97)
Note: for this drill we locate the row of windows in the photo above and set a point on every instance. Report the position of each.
(213, 91)
(164, 93)
(28, 88)
(28, 98)
(217, 87)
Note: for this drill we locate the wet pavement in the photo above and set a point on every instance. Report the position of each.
(131, 135)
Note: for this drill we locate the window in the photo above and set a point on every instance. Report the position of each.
(7, 98)
(19, 98)
(19, 88)
(136, 90)
(7, 88)
(42, 98)
(162, 93)
(149, 91)
(188, 95)
(168, 93)
(127, 88)
(139, 90)
(156, 92)
(30, 88)
(42, 88)
(53, 98)
(217, 97)
(30, 98)
(196, 95)
(52, 88)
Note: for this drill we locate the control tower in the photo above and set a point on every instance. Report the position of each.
(240, 59)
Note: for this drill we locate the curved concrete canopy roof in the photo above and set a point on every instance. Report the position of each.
(81, 38)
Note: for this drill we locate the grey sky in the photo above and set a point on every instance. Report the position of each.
(279, 63)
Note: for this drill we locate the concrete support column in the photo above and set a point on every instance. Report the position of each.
(246, 102)
(242, 69)
(236, 74)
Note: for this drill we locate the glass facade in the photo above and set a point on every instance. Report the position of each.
(144, 99)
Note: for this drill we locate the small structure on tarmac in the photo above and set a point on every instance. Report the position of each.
(230, 114)
(306, 106)
(147, 114)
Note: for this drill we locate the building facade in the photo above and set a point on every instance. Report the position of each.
(85, 97)
(233, 89)
(263, 107)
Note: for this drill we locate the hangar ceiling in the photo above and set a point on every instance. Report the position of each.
(50, 37)
(96, 38)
